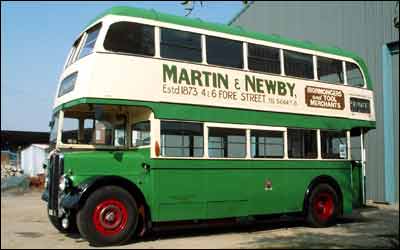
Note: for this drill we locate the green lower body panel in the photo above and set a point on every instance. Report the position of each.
(208, 189)
(185, 189)
(357, 185)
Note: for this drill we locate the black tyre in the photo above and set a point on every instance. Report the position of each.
(109, 216)
(323, 206)
(56, 222)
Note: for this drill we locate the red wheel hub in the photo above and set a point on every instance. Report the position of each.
(323, 205)
(110, 217)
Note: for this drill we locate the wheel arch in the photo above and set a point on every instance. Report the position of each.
(89, 186)
(323, 179)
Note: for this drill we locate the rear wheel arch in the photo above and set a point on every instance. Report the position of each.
(323, 179)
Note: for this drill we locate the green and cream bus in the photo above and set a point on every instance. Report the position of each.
(160, 118)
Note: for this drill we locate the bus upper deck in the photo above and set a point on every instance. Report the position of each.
(152, 58)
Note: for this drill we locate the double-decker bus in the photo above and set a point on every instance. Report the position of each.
(160, 118)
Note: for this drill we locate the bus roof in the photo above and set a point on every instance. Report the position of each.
(233, 30)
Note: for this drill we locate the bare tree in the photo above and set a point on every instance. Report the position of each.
(190, 5)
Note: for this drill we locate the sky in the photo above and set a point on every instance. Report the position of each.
(36, 38)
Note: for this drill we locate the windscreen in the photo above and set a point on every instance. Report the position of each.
(95, 127)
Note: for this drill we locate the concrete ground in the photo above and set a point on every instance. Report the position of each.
(24, 224)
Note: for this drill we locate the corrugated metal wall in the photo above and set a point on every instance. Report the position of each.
(362, 27)
(396, 120)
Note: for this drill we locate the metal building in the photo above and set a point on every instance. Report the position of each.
(370, 29)
(32, 159)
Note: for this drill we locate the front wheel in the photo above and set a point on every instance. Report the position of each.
(109, 216)
(323, 206)
(71, 228)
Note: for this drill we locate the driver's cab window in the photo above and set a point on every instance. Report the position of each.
(95, 128)
(71, 134)
(141, 134)
(103, 133)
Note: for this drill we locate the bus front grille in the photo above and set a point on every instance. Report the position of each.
(55, 171)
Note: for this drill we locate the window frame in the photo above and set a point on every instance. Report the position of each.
(312, 77)
(158, 137)
(74, 76)
(265, 144)
(156, 39)
(176, 45)
(364, 86)
(317, 144)
(83, 42)
(244, 52)
(226, 143)
(247, 55)
(341, 66)
(94, 146)
(225, 66)
(131, 124)
(72, 52)
(347, 142)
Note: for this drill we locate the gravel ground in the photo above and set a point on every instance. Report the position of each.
(24, 224)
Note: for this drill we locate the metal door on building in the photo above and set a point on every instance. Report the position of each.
(390, 64)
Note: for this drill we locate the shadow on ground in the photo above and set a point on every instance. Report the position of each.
(356, 231)
(350, 232)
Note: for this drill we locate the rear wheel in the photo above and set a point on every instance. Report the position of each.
(323, 206)
(109, 216)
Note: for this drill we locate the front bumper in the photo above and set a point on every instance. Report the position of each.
(71, 200)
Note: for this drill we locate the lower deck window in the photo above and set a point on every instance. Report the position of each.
(302, 143)
(266, 144)
(181, 139)
(141, 134)
(333, 144)
(226, 143)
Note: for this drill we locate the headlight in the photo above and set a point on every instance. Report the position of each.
(65, 182)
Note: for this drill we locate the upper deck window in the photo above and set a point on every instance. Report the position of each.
(330, 70)
(354, 75)
(224, 52)
(73, 52)
(298, 64)
(90, 40)
(67, 84)
(128, 37)
(180, 45)
(263, 58)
